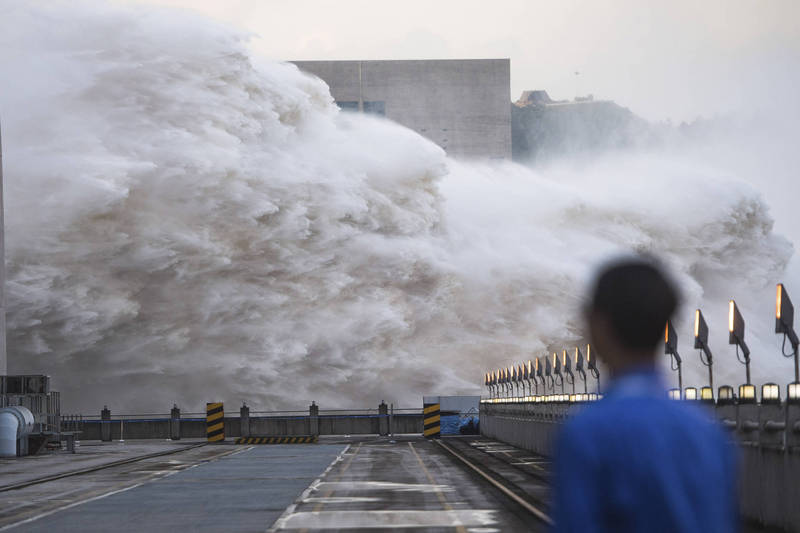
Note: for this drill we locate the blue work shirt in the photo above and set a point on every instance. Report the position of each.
(636, 461)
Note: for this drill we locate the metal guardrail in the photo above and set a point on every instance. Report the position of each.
(288, 414)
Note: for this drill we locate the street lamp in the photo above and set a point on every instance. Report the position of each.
(515, 381)
(579, 368)
(701, 343)
(725, 395)
(521, 377)
(736, 336)
(784, 323)
(671, 348)
(770, 394)
(557, 371)
(528, 374)
(548, 373)
(591, 364)
(565, 363)
(707, 394)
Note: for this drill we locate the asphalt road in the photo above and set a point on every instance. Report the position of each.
(213, 488)
(353, 484)
(403, 485)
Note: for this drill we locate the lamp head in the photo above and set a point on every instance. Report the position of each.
(591, 359)
(565, 362)
(548, 369)
(670, 339)
(725, 395)
(770, 394)
(707, 395)
(784, 311)
(747, 393)
(735, 324)
(578, 359)
(793, 393)
(556, 365)
(700, 330)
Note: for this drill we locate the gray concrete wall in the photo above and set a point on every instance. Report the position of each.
(770, 452)
(464, 106)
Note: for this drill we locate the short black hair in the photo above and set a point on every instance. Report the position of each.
(637, 298)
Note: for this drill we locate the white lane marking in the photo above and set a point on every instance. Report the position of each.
(52, 497)
(388, 519)
(69, 506)
(342, 499)
(306, 493)
(335, 486)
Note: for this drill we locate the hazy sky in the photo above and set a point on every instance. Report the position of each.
(668, 59)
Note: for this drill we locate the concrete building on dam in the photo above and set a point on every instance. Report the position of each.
(463, 105)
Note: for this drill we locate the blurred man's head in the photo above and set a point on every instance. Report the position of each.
(630, 304)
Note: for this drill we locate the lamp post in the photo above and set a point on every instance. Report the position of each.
(701, 343)
(540, 376)
(565, 364)
(557, 372)
(784, 323)
(514, 381)
(671, 349)
(736, 336)
(529, 376)
(591, 364)
(579, 369)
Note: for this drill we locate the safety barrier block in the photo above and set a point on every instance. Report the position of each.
(302, 439)
(215, 422)
(431, 420)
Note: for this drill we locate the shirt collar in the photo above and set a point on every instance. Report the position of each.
(637, 381)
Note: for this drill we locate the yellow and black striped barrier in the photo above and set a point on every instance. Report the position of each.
(431, 420)
(215, 422)
(278, 440)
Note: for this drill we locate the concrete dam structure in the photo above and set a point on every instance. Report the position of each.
(462, 105)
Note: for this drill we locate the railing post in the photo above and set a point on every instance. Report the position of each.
(175, 423)
(244, 420)
(383, 419)
(105, 424)
(313, 419)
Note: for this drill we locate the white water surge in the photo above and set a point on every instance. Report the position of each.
(186, 223)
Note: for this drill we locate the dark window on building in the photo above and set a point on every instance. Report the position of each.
(347, 106)
(375, 108)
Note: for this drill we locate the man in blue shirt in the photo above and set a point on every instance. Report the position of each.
(636, 461)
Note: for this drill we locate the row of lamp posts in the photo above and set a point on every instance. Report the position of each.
(557, 371)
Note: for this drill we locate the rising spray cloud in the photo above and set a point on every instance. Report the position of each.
(189, 223)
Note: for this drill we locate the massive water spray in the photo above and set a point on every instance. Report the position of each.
(188, 223)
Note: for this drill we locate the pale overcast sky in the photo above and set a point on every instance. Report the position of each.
(667, 59)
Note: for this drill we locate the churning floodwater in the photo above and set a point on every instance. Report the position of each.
(187, 222)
